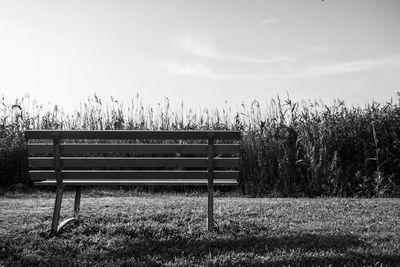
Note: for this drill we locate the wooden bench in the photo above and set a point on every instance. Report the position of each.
(80, 158)
(396, 191)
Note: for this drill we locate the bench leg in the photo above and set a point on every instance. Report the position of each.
(57, 208)
(55, 225)
(210, 207)
(77, 204)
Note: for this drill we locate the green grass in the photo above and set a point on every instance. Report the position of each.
(122, 228)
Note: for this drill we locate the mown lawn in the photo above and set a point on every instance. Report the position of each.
(125, 230)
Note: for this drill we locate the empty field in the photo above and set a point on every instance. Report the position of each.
(119, 228)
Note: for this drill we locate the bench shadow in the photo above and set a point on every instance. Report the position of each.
(168, 250)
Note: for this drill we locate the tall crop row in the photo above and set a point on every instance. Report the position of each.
(288, 148)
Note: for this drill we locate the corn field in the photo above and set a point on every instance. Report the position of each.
(288, 148)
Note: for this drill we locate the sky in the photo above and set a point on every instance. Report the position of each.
(202, 52)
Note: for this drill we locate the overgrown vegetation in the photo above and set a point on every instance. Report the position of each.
(288, 148)
(126, 229)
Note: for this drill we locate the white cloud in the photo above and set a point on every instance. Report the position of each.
(269, 21)
(204, 47)
(199, 46)
(177, 67)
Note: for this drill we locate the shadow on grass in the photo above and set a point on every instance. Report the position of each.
(304, 249)
(335, 247)
(350, 259)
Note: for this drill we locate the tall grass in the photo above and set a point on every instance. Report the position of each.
(288, 148)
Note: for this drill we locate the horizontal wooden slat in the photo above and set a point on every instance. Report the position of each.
(225, 182)
(40, 148)
(125, 174)
(114, 162)
(93, 134)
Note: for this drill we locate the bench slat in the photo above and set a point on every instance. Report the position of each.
(96, 134)
(130, 174)
(230, 182)
(40, 148)
(113, 162)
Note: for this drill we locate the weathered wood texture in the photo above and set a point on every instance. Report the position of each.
(37, 175)
(164, 135)
(45, 148)
(225, 182)
(132, 162)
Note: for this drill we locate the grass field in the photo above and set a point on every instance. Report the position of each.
(123, 229)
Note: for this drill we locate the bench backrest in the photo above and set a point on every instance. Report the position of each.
(141, 157)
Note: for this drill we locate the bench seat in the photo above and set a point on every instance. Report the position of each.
(224, 182)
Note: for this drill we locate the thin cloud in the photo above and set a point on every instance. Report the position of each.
(197, 47)
(349, 67)
(319, 49)
(203, 47)
(178, 67)
(269, 21)
(265, 3)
